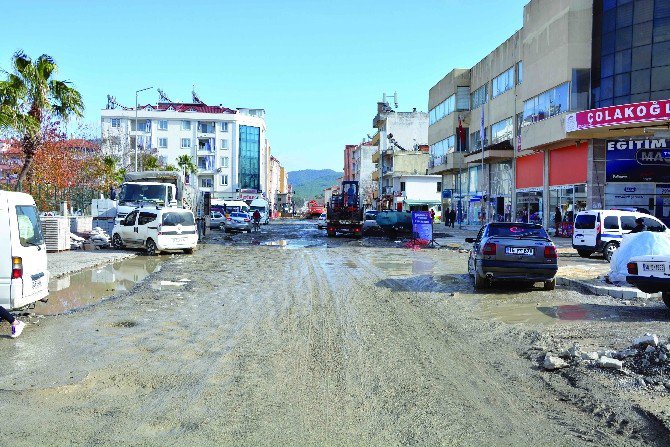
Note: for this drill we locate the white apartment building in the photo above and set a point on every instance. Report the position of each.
(228, 146)
(362, 169)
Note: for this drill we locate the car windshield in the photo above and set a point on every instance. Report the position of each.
(134, 193)
(516, 230)
(30, 230)
(175, 218)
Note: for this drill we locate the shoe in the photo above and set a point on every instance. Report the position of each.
(17, 329)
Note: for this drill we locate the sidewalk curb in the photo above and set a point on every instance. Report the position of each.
(624, 293)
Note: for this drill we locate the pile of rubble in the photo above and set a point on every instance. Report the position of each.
(97, 238)
(648, 358)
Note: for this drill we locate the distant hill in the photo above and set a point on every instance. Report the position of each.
(310, 183)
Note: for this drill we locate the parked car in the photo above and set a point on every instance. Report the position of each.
(370, 221)
(216, 219)
(238, 222)
(651, 274)
(603, 230)
(321, 222)
(24, 277)
(156, 230)
(521, 252)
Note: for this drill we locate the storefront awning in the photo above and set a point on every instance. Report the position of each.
(421, 202)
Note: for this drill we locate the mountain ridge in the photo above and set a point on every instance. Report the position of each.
(309, 184)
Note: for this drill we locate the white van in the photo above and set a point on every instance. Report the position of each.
(263, 207)
(156, 230)
(603, 230)
(24, 277)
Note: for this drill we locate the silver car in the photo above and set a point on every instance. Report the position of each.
(238, 222)
(520, 252)
(216, 219)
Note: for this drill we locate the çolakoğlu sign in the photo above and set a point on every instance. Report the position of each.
(638, 160)
(640, 112)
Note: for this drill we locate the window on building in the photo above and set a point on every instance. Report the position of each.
(249, 157)
(442, 109)
(479, 97)
(206, 144)
(439, 186)
(502, 130)
(475, 140)
(462, 98)
(162, 125)
(224, 162)
(162, 142)
(519, 72)
(205, 127)
(503, 82)
(224, 180)
(116, 122)
(185, 125)
(206, 182)
(142, 125)
(402, 186)
(185, 143)
(547, 104)
(224, 144)
(206, 163)
(442, 148)
(224, 126)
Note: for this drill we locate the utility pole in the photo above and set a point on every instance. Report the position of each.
(136, 128)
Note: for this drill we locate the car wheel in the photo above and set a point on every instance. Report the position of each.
(479, 282)
(150, 245)
(117, 242)
(188, 251)
(550, 285)
(584, 253)
(609, 250)
(666, 298)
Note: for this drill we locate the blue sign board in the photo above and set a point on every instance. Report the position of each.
(446, 193)
(638, 160)
(422, 225)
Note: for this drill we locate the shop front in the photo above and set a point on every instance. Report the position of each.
(638, 176)
(529, 188)
(500, 187)
(567, 186)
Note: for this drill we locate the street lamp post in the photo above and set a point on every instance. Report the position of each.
(136, 128)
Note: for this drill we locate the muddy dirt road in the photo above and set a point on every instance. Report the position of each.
(334, 342)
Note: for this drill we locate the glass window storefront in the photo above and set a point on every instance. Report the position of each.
(564, 202)
(529, 206)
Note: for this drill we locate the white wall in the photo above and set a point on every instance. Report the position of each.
(419, 187)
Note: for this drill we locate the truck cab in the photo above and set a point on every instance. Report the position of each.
(135, 194)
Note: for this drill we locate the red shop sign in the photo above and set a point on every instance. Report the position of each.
(624, 114)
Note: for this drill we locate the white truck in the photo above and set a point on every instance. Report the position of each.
(162, 189)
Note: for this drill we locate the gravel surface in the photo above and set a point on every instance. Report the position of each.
(65, 262)
(318, 341)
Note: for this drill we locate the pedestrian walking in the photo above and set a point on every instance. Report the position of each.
(452, 217)
(432, 215)
(557, 220)
(17, 326)
(447, 218)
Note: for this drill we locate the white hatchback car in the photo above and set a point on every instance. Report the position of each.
(321, 222)
(156, 230)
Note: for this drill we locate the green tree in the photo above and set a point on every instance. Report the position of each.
(186, 165)
(150, 163)
(29, 98)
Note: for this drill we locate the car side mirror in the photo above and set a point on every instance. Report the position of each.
(470, 240)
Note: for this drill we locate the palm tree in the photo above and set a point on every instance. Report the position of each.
(29, 97)
(186, 165)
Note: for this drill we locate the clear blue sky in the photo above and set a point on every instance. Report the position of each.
(317, 67)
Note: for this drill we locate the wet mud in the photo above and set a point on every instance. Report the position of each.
(345, 342)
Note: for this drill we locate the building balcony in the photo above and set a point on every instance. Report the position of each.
(450, 162)
(375, 157)
(494, 152)
(375, 175)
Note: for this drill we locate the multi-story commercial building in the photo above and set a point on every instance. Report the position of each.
(349, 161)
(362, 169)
(401, 139)
(536, 157)
(228, 146)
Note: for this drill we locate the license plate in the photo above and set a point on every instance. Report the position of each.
(179, 240)
(653, 267)
(519, 251)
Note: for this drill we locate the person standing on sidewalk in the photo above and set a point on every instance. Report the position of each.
(17, 326)
(557, 221)
(452, 217)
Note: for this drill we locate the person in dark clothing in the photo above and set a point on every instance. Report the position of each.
(639, 226)
(452, 217)
(17, 326)
(447, 218)
(557, 220)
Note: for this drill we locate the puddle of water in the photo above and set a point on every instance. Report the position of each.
(547, 313)
(293, 244)
(403, 266)
(90, 286)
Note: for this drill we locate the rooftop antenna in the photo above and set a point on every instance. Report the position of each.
(395, 99)
(163, 96)
(196, 99)
(113, 104)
